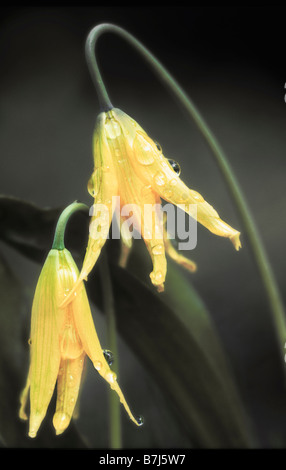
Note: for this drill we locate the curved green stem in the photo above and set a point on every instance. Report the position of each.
(103, 98)
(115, 439)
(59, 238)
(250, 229)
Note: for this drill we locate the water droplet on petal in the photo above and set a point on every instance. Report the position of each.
(175, 165)
(91, 185)
(160, 179)
(167, 193)
(112, 128)
(197, 196)
(158, 249)
(156, 276)
(143, 150)
(111, 377)
(158, 146)
(97, 365)
(66, 291)
(183, 198)
(140, 420)
(108, 356)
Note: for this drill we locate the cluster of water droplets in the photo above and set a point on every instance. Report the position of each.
(146, 156)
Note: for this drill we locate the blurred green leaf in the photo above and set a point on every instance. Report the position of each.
(171, 333)
(30, 229)
(199, 385)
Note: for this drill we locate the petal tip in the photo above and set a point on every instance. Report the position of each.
(35, 422)
(161, 288)
(235, 240)
(157, 279)
(23, 415)
(61, 421)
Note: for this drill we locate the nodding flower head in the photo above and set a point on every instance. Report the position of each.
(129, 164)
(60, 339)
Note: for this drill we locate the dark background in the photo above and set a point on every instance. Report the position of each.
(231, 62)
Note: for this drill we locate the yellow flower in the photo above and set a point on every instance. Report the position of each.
(129, 164)
(59, 341)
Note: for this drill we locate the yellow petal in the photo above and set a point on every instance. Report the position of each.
(103, 185)
(154, 170)
(125, 241)
(135, 197)
(86, 330)
(177, 257)
(45, 350)
(69, 380)
(24, 399)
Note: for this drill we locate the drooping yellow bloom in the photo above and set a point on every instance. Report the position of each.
(59, 341)
(129, 164)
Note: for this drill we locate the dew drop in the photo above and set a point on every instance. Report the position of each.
(160, 179)
(167, 193)
(108, 356)
(158, 146)
(70, 381)
(66, 292)
(140, 420)
(183, 198)
(158, 249)
(156, 276)
(97, 365)
(111, 377)
(175, 165)
(29, 342)
(112, 128)
(144, 151)
(197, 196)
(91, 185)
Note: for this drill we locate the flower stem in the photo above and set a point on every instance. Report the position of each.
(260, 257)
(115, 439)
(59, 237)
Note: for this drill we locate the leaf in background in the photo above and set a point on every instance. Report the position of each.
(30, 229)
(200, 388)
(172, 334)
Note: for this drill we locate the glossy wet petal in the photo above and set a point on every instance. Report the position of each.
(68, 385)
(160, 174)
(86, 330)
(44, 339)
